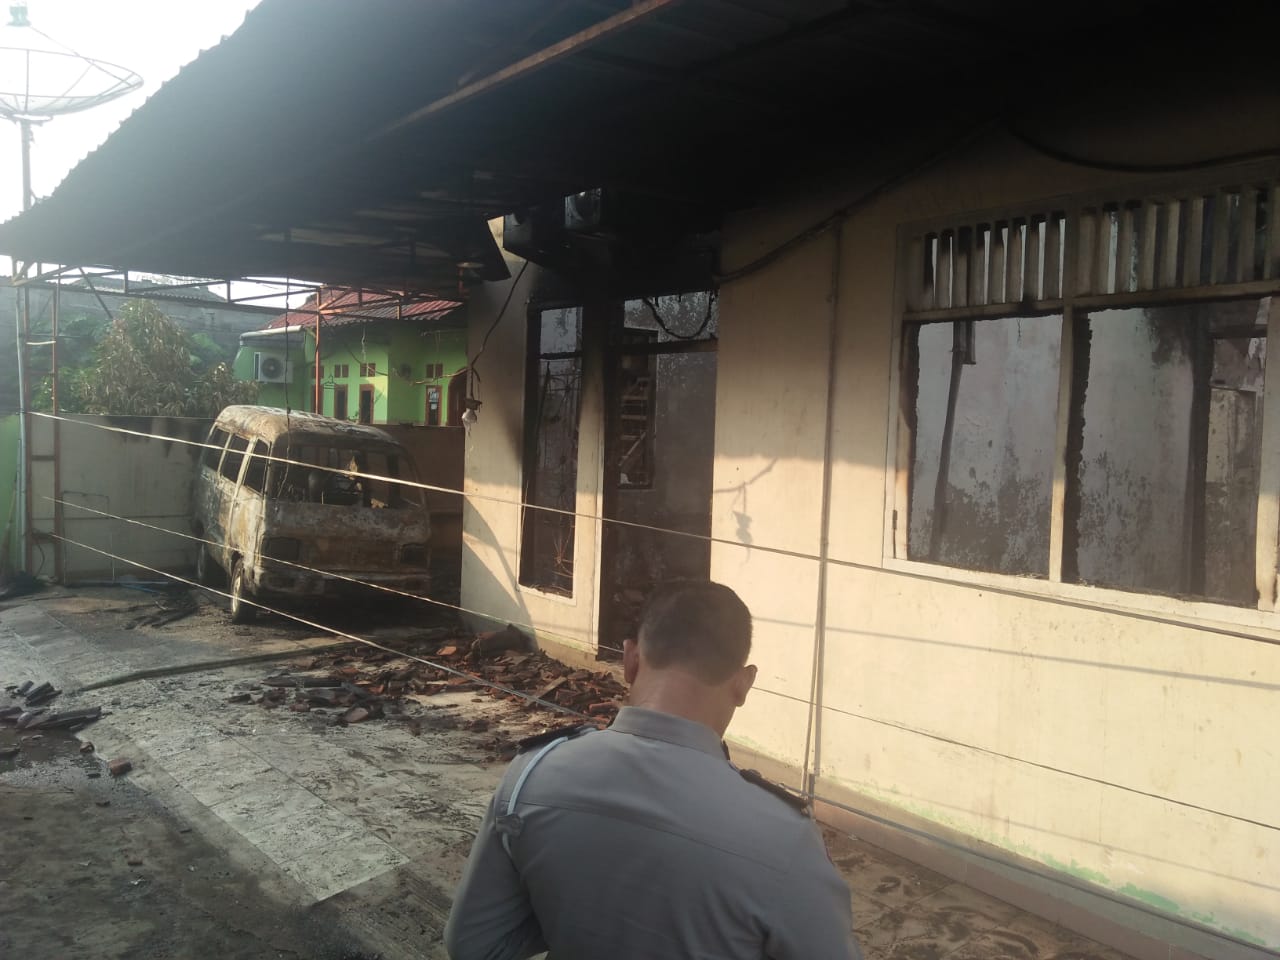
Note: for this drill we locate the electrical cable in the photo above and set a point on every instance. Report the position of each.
(811, 703)
(711, 297)
(474, 377)
(905, 175)
(1114, 166)
(1205, 626)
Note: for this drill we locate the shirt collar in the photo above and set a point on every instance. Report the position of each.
(655, 725)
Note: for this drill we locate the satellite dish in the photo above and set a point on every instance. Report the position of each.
(41, 78)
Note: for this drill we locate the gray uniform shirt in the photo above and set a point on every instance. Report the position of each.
(642, 842)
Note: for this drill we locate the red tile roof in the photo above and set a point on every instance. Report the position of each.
(343, 306)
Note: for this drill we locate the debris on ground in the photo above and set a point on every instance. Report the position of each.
(172, 607)
(36, 715)
(18, 585)
(360, 683)
(119, 766)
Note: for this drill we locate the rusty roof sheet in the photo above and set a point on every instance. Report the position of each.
(344, 306)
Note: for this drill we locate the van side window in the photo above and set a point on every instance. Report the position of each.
(234, 457)
(213, 449)
(255, 474)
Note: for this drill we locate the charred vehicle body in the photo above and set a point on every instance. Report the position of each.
(294, 506)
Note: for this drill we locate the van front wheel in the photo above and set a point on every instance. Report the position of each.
(241, 608)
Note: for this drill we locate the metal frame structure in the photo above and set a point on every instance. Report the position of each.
(140, 285)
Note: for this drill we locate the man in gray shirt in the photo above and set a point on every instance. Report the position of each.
(642, 842)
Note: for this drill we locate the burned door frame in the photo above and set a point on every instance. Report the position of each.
(612, 490)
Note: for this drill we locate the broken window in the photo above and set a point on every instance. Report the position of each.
(1165, 450)
(234, 457)
(554, 389)
(213, 449)
(255, 474)
(636, 409)
(337, 484)
(984, 398)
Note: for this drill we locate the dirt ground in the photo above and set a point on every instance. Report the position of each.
(251, 829)
(96, 867)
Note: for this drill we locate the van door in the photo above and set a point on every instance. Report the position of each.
(244, 520)
(207, 503)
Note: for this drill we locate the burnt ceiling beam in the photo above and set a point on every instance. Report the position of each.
(627, 19)
(513, 46)
(707, 89)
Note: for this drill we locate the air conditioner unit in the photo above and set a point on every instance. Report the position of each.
(271, 369)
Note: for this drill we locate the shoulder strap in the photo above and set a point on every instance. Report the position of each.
(788, 797)
(509, 824)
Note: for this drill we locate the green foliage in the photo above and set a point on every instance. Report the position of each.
(146, 365)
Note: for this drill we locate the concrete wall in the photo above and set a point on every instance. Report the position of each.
(9, 508)
(1045, 730)
(1111, 737)
(491, 515)
(148, 480)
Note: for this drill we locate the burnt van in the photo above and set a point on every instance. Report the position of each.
(296, 506)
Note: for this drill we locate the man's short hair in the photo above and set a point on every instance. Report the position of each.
(699, 625)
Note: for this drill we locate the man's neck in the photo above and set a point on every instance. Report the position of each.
(681, 695)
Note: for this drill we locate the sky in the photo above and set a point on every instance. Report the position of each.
(153, 38)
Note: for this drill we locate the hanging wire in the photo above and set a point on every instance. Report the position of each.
(1205, 626)
(711, 299)
(810, 785)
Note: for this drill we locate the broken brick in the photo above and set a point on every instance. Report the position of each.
(119, 767)
(355, 715)
(86, 747)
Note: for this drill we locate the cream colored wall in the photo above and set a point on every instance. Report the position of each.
(149, 481)
(491, 515)
(1018, 685)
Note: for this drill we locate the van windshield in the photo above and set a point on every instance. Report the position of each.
(338, 485)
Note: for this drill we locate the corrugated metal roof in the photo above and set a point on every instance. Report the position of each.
(372, 153)
(345, 306)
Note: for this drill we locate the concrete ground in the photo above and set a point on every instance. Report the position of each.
(245, 833)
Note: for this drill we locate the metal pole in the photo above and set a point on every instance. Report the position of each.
(26, 164)
(316, 360)
(60, 549)
(24, 370)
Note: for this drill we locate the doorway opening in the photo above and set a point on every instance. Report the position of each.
(659, 452)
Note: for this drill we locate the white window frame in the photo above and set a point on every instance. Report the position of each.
(1074, 306)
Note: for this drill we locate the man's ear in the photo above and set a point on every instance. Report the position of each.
(630, 660)
(743, 681)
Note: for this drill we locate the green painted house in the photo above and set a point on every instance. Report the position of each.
(379, 360)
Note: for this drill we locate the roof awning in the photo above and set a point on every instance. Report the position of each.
(367, 144)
